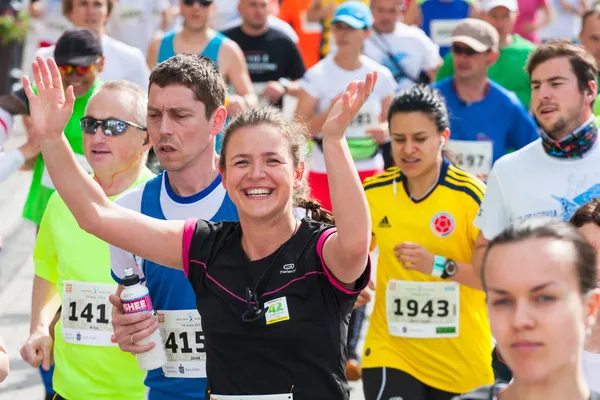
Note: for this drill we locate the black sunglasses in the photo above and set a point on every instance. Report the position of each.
(203, 3)
(110, 126)
(467, 51)
(254, 312)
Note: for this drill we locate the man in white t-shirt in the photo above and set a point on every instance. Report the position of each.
(48, 21)
(557, 173)
(121, 61)
(405, 50)
(134, 22)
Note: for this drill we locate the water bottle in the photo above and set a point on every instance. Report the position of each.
(135, 298)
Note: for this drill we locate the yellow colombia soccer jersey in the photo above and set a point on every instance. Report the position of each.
(426, 313)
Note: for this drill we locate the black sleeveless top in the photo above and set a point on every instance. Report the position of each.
(304, 354)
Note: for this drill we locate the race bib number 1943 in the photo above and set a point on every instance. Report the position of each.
(423, 309)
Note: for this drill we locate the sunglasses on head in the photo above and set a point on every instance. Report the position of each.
(467, 51)
(203, 3)
(110, 126)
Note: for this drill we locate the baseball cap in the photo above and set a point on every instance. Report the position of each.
(78, 46)
(512, 5)
(355, 14)
(477, 34)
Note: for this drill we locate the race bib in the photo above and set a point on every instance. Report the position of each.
(86, 313)
(423, 309)
(278, 310)
(367, 118)
(474, 156)
(184, 343)
(287, 396)
(47, 181)
(441, 31)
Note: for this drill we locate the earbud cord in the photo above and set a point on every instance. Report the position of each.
(112, 181)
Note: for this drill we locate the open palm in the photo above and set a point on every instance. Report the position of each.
(51, 108)
(345, 109)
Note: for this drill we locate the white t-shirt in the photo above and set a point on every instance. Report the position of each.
(52, 23)
(563, 24)
(134, 22)
(204, 208)
(591, 370)
(529, 183)
(120, 62)
(326, 80)
(410, 48)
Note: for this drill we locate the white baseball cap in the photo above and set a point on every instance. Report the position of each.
(512, 5)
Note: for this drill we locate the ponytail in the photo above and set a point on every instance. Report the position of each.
(317, 213)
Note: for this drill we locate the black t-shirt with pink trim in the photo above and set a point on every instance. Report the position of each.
(299, 346)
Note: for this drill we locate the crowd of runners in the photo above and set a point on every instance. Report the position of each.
(245, 159)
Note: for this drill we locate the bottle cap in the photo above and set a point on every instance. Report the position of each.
(130, 278)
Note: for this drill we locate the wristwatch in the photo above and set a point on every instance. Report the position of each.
(285, 82)
(450, 269)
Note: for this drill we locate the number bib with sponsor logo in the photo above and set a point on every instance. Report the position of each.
(287, 396)
(423, 309)
(184, 343)
(47, 181)
(474, 156)
(86, 313)
(440, 31)
(363, 146)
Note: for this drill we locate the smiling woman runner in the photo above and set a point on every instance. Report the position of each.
(542, 295)
(429, 336)
(274, 293)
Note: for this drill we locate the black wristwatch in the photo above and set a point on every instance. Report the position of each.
(450, 269)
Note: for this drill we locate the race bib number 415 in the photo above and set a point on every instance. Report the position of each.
(423, 309)
(86, 313)
(182, 333)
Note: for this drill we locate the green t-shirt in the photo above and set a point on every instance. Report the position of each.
(65, 252)
(508, 71)
(39, 194)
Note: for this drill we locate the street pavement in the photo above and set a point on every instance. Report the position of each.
(16, 277)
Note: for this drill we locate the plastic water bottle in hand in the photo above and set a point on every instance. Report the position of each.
(135, 298)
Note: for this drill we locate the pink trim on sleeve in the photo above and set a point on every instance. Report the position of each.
(320, 243)
(188, 233)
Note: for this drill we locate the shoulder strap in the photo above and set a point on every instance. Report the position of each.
(212, 48)
(151, 197)
(166, 49)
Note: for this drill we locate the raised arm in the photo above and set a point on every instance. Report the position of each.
(346, 252)
(152, 239)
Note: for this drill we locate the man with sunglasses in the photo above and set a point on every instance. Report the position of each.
(197, 37)
(72, 266)
(121, 61)
(485, 119)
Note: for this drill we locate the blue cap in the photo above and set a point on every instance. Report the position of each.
(355, 14)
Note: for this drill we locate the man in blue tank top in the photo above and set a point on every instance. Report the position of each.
(196, 37)
(438, 18)
(183, 121)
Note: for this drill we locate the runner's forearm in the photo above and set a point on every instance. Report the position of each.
(316, 123)
(44, 303)
(350, 208)
(84, 197)
(465, 275)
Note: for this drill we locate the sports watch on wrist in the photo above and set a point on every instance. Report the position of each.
(450, 269)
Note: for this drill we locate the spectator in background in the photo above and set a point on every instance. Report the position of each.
(134, 22)
(405, 50)
(509, 69)
(567, 19)
(273, 60)
(294, 12)
(322, 11)
(590, 39)
(123, 62)
(485, 119)
(48, 21)
(196, 37)
(439, 17)
(529, 23)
